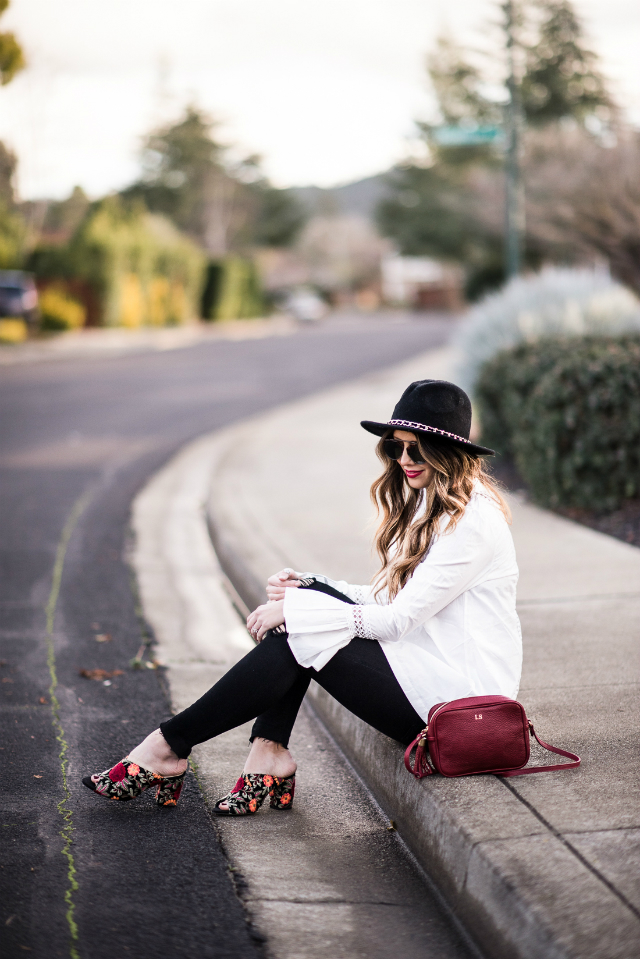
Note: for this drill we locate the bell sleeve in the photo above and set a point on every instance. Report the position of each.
(453, 564)
(320, 625)
(359, 594)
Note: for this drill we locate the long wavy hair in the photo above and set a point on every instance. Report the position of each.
(410, 519)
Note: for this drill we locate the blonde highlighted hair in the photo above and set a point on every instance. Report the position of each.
(410, 519)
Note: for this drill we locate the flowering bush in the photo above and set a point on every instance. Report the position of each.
(58, 311)
(13, 330)
(557, 302)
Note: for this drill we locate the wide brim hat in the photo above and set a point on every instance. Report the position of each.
(436, 409)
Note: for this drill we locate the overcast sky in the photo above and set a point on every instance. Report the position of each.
(326, 91)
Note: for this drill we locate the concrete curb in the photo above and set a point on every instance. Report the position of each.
(111, 341)
(521, 886)
(488, 903)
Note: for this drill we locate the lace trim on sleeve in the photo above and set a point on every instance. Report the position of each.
(360, 625)
(359, 594)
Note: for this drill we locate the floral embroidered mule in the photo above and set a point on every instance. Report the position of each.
(252, 789)
(127, 779)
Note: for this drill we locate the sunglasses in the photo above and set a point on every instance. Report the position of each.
(395, 448)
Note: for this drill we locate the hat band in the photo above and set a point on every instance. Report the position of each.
(429, 429)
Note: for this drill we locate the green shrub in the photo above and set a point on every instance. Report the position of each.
(558, 302)
(211, 290)
(568, 413)
(239, 294)
(12, 237)
(59, 312)
(138, 267)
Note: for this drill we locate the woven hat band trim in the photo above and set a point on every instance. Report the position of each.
(429, 429)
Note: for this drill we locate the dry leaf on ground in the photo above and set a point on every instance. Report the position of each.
(100, 674)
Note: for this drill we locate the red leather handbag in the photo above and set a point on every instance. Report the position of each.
(480, 734)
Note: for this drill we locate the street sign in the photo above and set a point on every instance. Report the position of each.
(453, 136)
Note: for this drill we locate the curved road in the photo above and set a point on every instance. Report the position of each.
(78, 438)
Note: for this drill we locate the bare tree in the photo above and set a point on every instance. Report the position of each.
(341, 252)
(584, 198)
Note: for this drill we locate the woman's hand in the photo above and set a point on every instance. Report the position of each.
(280, 581)
(265, 618)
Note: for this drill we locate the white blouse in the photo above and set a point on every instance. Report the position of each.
(452, 630)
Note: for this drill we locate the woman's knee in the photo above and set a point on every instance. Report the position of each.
(273, 657)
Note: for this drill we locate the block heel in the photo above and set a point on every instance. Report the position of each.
(282, 793)
(250, 792)
(168, 792)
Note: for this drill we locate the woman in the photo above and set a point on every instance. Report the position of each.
(439, 622)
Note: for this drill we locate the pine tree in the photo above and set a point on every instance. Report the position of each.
(226, 205)
(562, 78)
(452, 213)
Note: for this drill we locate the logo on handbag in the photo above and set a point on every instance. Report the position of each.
(478, 716)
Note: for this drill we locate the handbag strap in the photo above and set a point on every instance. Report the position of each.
(421, 767)
(544, 769)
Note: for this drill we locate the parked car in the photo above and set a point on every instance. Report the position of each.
(18, 296)
(305, 305)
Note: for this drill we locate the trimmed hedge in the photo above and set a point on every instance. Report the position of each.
(568, 413)
(232, 290)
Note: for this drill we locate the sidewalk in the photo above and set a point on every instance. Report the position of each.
(540, 867)
(111, 341)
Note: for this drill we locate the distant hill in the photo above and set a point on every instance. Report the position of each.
(359, 198)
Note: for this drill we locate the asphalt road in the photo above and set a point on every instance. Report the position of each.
(78, 438)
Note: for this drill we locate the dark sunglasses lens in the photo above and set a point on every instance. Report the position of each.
(393, 449)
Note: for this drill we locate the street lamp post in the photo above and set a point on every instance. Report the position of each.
(514, 199)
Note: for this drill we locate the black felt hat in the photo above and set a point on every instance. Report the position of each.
(436, 409)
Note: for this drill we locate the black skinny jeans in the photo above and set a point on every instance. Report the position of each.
(268, 683)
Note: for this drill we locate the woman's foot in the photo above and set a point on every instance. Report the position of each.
(272, 758)
(266, 757)
(155, 754)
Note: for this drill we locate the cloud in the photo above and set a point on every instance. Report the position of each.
(324, 92)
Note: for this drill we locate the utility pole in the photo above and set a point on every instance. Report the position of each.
(514, 199)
